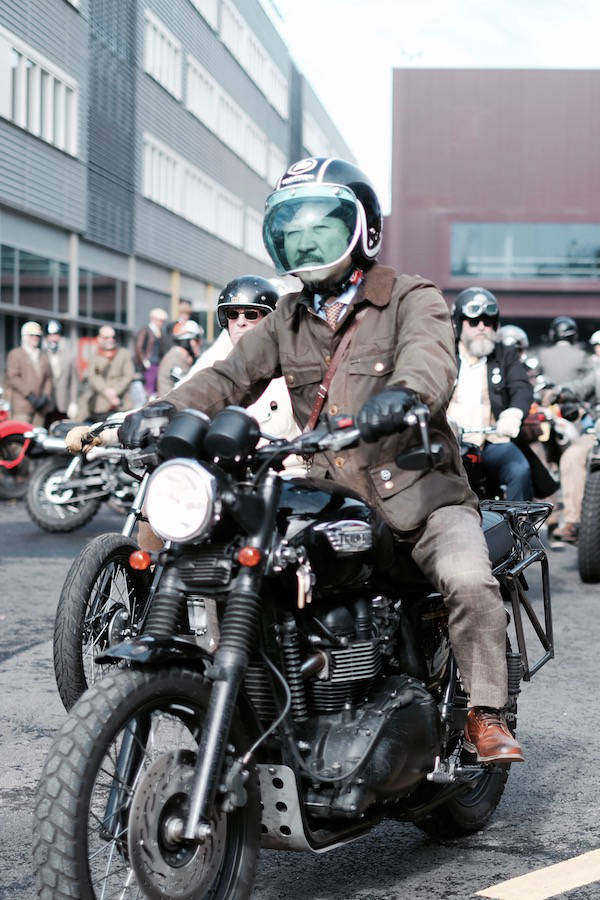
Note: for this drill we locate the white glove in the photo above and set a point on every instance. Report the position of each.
(76, 442)
(509, 422)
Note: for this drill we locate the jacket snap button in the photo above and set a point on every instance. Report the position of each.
(328, 359)
(333, 411)
(385, 474)
(389, 485)
(290, 379)
(339, 461)
(379, 367)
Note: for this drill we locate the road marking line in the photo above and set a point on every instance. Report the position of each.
(550, 881)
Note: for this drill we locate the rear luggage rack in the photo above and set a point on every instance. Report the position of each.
(525, 519)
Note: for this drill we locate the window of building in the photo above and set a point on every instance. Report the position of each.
(207, 100)
(36, 95)
(209, 10)
(253, 242)
(196, 197)
(202, 93)
(162, 54)
(102, 297)
(230, 218)
(278, 163)
(505, 250)
(314, 138)
(8, 274)
(254, 59)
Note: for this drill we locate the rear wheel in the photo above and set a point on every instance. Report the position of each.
(114, 791)
(13, 482)
(99, 606)
(52, 504)
(588, 545)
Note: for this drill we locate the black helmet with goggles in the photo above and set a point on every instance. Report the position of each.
(475, 303)
(248, 293)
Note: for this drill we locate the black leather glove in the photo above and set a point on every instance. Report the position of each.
(42, 401)
(33, 399)
(384, 413)
(141, 426)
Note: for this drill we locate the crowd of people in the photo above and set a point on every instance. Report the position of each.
(44, 382)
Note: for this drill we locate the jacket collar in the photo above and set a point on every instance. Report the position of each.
(376, 288)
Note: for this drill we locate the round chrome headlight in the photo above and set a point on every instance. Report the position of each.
(181, 500)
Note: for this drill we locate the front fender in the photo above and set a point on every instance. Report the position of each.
(148, 650)
(14, 426)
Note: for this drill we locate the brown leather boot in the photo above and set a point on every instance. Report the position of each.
(567, 534)
(487, 735)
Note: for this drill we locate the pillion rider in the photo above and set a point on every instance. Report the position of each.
(323, 223)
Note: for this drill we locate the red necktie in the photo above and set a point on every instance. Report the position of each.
(332, 311)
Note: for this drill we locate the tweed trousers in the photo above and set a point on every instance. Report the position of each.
(573, 470)
(452, 553)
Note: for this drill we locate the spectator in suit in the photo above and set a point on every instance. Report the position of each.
(65, 382)
(150, 347)
(109, 376)
(28, 377)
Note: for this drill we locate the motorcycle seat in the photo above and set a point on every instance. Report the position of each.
(498, 536)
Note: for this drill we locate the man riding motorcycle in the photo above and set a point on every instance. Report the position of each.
(493, 388)
(323, 223)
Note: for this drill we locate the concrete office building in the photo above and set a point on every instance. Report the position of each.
(495, 181)
(138, 142)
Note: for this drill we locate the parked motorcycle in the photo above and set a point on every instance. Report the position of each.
(65, 492)
(292, 685)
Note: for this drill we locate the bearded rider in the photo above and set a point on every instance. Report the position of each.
(323, 224)
(493, 389)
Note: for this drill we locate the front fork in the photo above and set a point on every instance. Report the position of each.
(238, 635)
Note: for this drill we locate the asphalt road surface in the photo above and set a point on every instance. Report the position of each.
(550, 811)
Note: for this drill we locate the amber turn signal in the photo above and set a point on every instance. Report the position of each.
(140, 560)
(249, 556)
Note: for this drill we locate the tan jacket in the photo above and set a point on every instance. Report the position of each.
(65, 381)
(22, 378)
(405, 339)
(116, 373)
(175, 357)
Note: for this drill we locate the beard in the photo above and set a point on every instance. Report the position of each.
(479, 346)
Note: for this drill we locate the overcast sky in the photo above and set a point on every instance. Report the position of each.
(348, 48)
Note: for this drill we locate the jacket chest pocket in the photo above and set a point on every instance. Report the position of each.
(373, 363)
(301, 376)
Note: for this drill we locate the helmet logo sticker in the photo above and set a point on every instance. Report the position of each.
(304, 165)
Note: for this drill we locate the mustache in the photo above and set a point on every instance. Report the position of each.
(309, 256)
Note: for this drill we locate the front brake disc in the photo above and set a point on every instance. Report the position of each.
(163, 865)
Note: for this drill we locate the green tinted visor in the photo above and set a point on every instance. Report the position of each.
(310, 227)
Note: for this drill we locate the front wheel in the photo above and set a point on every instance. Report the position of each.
(588, 545)
(117, 778)
(52, 504)
(100, 605)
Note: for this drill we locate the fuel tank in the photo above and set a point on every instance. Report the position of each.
(346, 539)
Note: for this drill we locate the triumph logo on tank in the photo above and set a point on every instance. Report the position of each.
(347, 536)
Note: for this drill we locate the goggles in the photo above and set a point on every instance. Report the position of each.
(251, 315)
(480, 306)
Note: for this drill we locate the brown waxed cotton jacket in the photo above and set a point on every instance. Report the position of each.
(404, 340)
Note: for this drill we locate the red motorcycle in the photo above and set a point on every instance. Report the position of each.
(15, 464)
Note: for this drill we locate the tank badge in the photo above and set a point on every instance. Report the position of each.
(496, 376)
(347, 536)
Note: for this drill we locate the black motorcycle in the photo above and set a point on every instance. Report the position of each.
(65, 492)
(293, 683)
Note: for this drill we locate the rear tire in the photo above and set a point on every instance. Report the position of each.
(101, 598)
(51, 516)
(588, 545)
(13, 482)
(79, 843)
